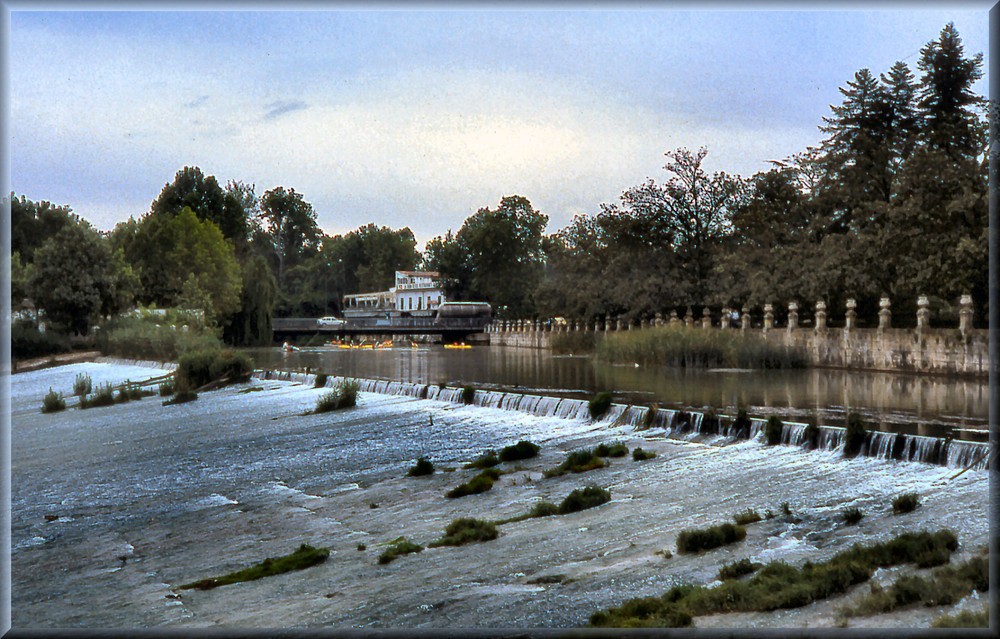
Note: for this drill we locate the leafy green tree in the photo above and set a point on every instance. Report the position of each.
(32, 223)
(191, 188)
(498, 257)
(289, 229)
(251, 325)
(73, 277)
(18, 281)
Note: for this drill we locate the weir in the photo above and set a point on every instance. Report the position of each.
(678, 424)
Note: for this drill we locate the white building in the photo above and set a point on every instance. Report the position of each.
(415, 291)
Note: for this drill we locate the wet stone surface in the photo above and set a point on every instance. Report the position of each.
(147, 497)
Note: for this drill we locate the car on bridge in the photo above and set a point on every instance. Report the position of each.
(330, 322)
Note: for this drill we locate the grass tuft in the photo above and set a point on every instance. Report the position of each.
(578, 461)
(82, 385)
(599, 404)
(344, 394)
(166, 389)
(964, 619)
(521, 450)
(488, 459)
(696, 540)
(53, 402)
(616, 449)
(748, 516)
(467, 530)
(399, 547)
(905, 503)
(182, 397)
(852, 515)
(304, 557)
(639, 454)
(320, 380)
(478, 484)
(583, 499)
(738, 569)
(421, 468)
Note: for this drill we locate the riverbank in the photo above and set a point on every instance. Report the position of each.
(115, 507)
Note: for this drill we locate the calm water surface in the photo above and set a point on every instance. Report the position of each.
(926, 405)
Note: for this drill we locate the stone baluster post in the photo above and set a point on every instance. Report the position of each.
(820, 315)
(618, 324)
(724, 320)
(645, 323)
(689, 318)
(923, 313)
(674, 320)
(658, 321)
(793, 316)
(884, 314)
(965, 314)
(607, 323)
(706, 318)
(745, 318)
(768, 317)
(851, 317)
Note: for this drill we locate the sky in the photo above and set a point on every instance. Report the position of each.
(420, 118)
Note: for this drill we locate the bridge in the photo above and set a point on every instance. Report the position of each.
(451, 328)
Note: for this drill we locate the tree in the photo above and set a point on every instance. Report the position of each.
(191, 188)
(73, 277)
(289, 228)
(32, 223)
(496, 256)
(251, 325)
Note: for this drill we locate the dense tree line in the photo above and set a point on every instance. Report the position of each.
(893, 201)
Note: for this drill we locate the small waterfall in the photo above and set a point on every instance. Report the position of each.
(962, 453)
(510, 401)
(614, 412)
(488, 399)
(879, 444)
(451, 395)
(573, 409)
(145, 363)
(528, 404)
(922, 449)
(793, 433)
(696, 420)
(757, 426)
(635, 416)
(547, 406)
(664, 418)
(831, 437)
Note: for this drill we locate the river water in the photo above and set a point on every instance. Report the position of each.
(926, 405)
(114, 507)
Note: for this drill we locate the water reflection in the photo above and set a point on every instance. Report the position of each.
(924, 403)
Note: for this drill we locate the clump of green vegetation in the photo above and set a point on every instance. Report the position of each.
(572, 342)
(103, 396)
(129, 391)
(26, 341)
(541, 509)
(304, 557)
(399, 547)
(344, 394)
(616, 449)
(779, 586)
(198, 368)
(521, 450)
(488, 459)
(599, 404)
(156, 337)
(772, 432)
(362, 547)
(738, 569)
(944, 587)
(696, 540)
(964, 619)
(583, 498)
(53, 402)
(639, 454)
(422, 467)
(166, 389)
(182, 397)
(854, 439)
(320, 380)
(748, 516)
(468, 394)
(786, 509)
(578, 461)
(905, 503)
(467, 530)
(478, 484)
(82, 385)
(852, 515)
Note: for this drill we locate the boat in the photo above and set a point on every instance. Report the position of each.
(459, 345)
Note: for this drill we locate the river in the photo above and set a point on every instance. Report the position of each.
(933, 406)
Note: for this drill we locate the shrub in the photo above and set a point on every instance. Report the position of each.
(478, 484)
(160, 338)
(520, 450)
(400, 547)
(182, 397)
(738, 569)
(230, 365)
(344, 394)
(578, 461)
(422, 467)
(362, 547)
(320, 380)
(599, 404)
(103, 396)
(772, 432)
(166, 389)
(945, 586)
(82, 385)
(641, 455)
(617, 449)
(905, 503)
(695, 540)
(852, 515)
(786, 509)
(468, 394)
(748, 516)
(964, 619)
(53, 402)
(854, 439)
(543, 509)
(467, 530)
(582, 499)
(304, 557)
(488, 459)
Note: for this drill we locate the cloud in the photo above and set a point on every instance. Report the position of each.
(281, 107)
